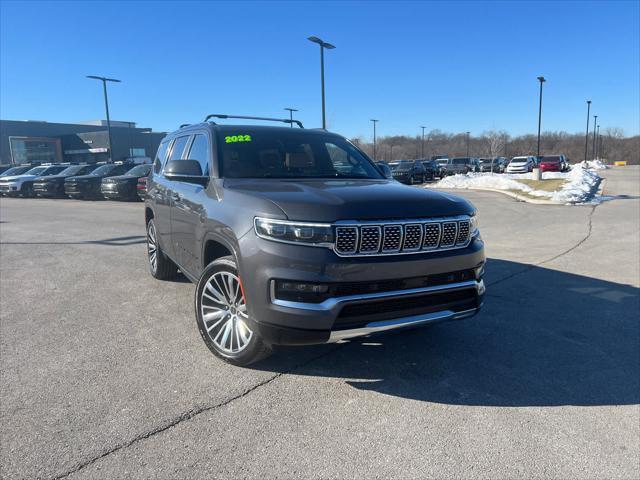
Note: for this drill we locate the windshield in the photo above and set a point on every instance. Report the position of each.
(550, 159)
(139, 171)
(248, 152)
(35, 171)
(519, 160)
(442, 161)
(72, 170)
(460, 161)
(400, 165)
(13, 171)
(486, 160)
(104, 169)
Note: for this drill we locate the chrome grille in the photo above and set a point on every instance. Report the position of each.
(431, 236)
(370, 239)
(463, 232)
(392, 238)
(397, 237)
(412, 237)
(346, 239)
(449, 232)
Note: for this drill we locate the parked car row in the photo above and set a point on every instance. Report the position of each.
(520, 164)
(114, 181)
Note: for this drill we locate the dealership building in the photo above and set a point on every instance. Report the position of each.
(83, 142)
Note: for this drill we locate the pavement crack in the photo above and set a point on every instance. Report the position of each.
(184, 417)
(555, 257)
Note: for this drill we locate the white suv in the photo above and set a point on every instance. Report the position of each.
(521, 164)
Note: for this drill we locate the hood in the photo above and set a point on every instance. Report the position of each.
(95, 178)
(51, 178)
(17, 177)
(329, 200)
(123, 178)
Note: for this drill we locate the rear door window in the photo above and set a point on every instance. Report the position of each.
(200, 152)
(160, 157)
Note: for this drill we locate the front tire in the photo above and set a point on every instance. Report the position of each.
(222, 316)
(27, 190)
(160, 266)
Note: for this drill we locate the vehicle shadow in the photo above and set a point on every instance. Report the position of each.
(113, 242)
(543, 338)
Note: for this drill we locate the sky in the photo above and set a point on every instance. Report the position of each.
(452, 66)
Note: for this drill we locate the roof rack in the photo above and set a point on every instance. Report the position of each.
(283, 120)
(184, 125)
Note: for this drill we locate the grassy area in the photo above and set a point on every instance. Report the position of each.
(550, 185)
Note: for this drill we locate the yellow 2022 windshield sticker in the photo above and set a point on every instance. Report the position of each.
(237, 138)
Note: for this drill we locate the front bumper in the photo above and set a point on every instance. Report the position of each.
(300, 323)
(48, 189)
(9, 188)
(81, 190)
(117, 191)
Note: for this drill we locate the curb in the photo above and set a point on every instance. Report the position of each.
(516, 196)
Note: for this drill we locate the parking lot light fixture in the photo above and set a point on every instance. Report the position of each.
(323, 45)
(541, 80)
(291, 110)
(586, 137)
(104, 81)
(593, 150)
(422, 155)
(374, 136)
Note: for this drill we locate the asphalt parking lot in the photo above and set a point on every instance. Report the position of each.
(104, 374)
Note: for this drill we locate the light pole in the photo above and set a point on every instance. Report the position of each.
(586, 138)
(323, 45)
(291, 110)
(104, 81)
(422, 155)
(595, 122)
(598, 142)
(374, 137)
(468, 143)
(542, 80)
(391, 153)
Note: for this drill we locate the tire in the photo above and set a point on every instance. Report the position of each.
(161, 267)
(220, 297)
(26, 190)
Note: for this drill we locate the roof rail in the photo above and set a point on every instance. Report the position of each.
(283, 120)
(184, 125)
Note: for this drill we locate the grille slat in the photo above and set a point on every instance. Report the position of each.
(392, 238)
(402, 237)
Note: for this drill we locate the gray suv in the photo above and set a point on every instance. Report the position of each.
(295, 237)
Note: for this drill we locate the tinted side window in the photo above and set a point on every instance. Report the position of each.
(160, 156)
(200, 152)
(178, 148)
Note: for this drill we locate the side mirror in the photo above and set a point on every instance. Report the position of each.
(185, 171)
(384, 169)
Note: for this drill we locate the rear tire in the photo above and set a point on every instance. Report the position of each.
(161, 267)
(222, 316)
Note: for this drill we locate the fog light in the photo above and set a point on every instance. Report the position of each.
(300, 291)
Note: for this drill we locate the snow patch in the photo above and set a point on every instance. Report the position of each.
(580, 185)
(593, 164)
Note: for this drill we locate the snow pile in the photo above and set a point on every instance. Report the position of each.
(580, 185)
(593, 164)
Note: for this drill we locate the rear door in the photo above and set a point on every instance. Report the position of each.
(161, 192)
(187, 210)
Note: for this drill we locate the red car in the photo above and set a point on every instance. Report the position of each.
(554, 163)
(141, 188)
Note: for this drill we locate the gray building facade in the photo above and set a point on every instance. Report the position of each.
(86, 142)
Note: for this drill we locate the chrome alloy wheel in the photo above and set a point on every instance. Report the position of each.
(152, 247)
(224, 313)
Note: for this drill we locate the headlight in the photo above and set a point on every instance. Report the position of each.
(315, 234)
(473, 225)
